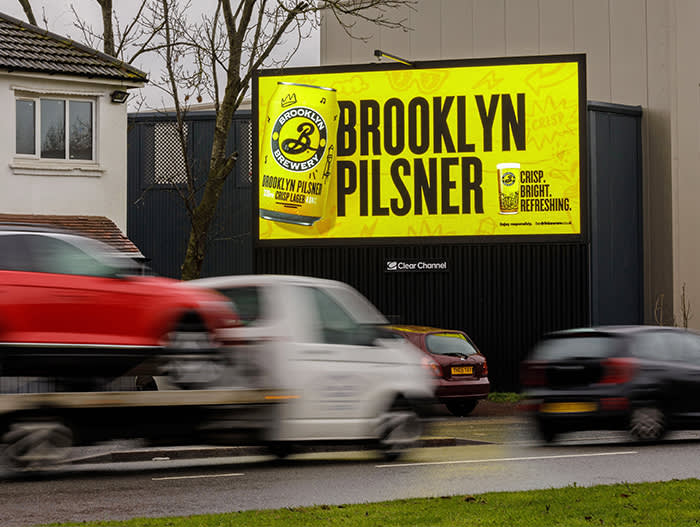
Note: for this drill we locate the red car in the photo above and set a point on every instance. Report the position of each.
(71, 308)
(462, 378)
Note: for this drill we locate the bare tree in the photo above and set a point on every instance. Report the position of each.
(685, 306)
(126, 42)
(238, 42)
(659, 310)
(686, 309)
(216, 56)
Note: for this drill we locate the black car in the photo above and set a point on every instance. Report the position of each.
(644, 379)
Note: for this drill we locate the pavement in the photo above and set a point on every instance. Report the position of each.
(489, 423)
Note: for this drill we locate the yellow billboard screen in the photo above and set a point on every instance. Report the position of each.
(459, 150)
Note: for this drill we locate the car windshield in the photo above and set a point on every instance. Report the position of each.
(113, 261)
(454, 344)
(572, 348)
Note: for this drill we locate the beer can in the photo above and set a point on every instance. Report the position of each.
(297, 158)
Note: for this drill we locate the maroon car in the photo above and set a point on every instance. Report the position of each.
(463, 373)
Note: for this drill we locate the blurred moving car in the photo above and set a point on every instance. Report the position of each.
(70, 307)
(324, 341)
(462, 371)
(644, 379)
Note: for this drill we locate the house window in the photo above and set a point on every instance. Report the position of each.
(26, 120)
(51, 128)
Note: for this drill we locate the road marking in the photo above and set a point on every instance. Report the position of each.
(532, 458)
(198, 477)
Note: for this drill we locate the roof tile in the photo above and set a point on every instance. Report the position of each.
(98, 227)
(25, 47)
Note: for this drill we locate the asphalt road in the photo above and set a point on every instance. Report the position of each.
(493, 454)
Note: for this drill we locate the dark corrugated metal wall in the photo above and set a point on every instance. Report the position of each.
(615, 160)
(156, 218)
(504, 295)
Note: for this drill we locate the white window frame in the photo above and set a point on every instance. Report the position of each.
(34, 164)
(37, 127)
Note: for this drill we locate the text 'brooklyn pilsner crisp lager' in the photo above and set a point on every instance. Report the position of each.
(297, 156)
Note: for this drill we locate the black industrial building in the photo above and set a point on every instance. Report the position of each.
(504, 295)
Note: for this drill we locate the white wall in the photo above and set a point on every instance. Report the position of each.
(58, 186)
(638, 52)
(685, 140)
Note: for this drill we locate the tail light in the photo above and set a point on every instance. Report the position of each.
(432, 366)
(532, 373)
(618, 370)
(485, 369)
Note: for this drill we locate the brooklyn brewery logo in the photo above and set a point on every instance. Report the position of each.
(299, 139)
(508, 179)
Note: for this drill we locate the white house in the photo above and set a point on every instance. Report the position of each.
(63, 141)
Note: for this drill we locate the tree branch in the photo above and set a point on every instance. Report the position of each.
(28, 12)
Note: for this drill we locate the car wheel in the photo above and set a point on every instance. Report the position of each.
(548, 432)
(461, 408)
(280, 449)
(647, 423)
(399, 429)
(193, 360)
(146, 383)
(34, 444)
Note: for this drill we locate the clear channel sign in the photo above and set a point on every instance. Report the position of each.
(416, 265)
(456, 151)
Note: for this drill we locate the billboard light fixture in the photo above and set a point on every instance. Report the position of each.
(379, 54)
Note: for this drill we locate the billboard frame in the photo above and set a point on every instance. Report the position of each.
(582, 237)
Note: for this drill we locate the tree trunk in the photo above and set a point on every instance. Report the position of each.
(28, 11)
(219, 168)
(202, 216)
(107, 29)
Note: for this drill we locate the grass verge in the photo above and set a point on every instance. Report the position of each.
(673, 503)
(504, 397)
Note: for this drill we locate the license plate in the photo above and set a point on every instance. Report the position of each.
(568, 408)
(462, 370)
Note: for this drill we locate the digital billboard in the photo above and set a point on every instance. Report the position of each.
(466, 150)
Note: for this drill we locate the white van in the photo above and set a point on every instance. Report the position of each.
(324, 342)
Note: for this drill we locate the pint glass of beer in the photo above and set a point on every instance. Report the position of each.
(297, 158)
(508, 187)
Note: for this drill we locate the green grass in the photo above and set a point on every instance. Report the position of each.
(667, 504)
(505, 397)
